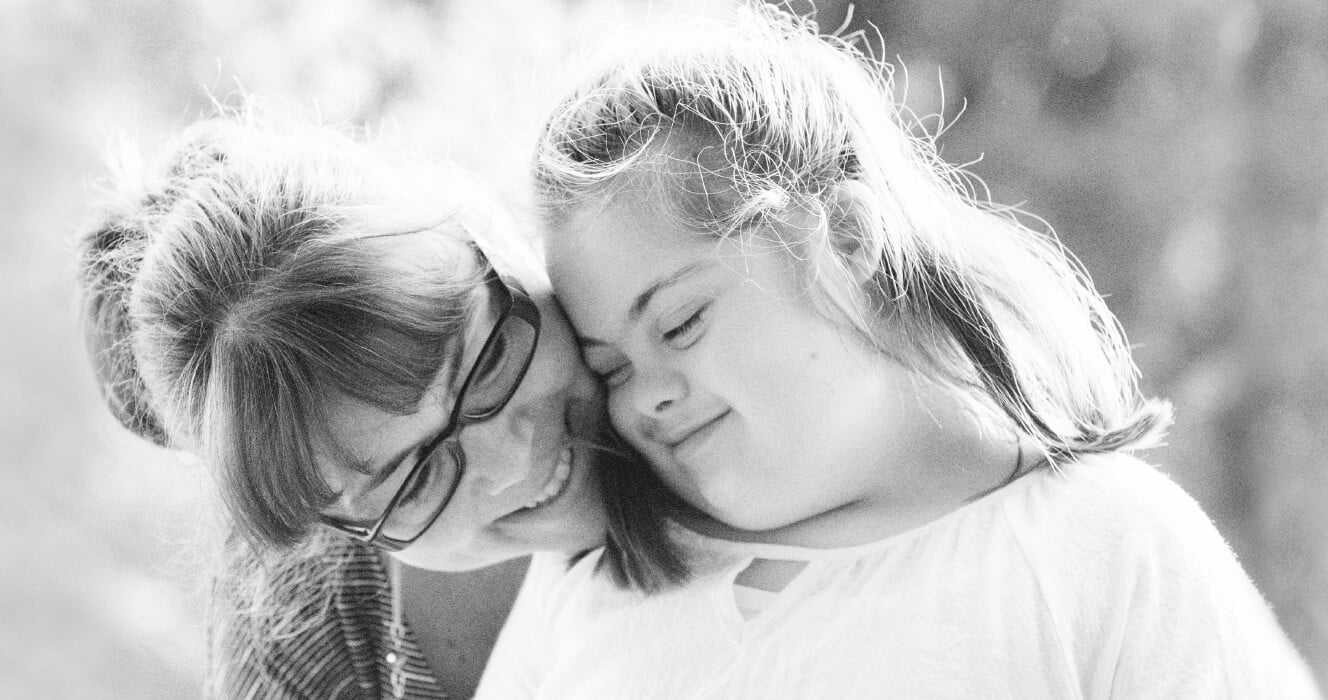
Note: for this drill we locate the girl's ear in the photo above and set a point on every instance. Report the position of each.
(854, 238)
(840, 249)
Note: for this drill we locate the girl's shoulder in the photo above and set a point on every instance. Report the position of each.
(1108, 516)
(1115, 494)
(1129, 562)
(1066, 507)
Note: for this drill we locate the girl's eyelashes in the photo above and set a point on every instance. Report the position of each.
(611, 376)
(614, 368)
(685, 333)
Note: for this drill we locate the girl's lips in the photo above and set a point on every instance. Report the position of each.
(690, 445)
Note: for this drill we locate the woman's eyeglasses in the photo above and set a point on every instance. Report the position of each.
(493, 379)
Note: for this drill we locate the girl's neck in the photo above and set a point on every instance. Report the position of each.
(964, 464)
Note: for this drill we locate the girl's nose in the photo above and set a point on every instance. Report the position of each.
(656, 392)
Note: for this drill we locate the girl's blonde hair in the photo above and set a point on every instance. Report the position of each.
(767, 126)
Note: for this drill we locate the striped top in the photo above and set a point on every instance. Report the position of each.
(348, 650)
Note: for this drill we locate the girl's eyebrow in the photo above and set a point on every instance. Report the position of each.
(643, 299)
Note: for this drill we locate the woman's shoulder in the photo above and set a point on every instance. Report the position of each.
(334, 632)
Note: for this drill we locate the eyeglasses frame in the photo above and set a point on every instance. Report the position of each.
(513, 302)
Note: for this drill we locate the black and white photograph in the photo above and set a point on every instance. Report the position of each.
(664, 349)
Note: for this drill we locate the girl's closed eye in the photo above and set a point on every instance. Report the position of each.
(610, 371)
(615, 376)
(688, 331)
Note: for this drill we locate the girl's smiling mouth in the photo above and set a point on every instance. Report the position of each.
(693, 441)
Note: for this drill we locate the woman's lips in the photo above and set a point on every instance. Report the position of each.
(557, 480)
(581, 417)
(563, 479)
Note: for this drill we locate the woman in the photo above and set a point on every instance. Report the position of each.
(366, 357)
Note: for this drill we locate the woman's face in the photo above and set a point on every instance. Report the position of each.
(749, 403)
(512, 459)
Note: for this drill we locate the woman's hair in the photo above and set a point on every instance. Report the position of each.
(768, 129)
(264, 267)
(257, 274)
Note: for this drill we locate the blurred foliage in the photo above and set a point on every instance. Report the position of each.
(1178, 147)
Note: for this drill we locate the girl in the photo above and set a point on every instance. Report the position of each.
(365, 355)
(902, 419)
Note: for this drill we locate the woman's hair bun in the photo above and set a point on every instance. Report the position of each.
(111, 249)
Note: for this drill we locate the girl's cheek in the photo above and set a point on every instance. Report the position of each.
(617, 411)
(623, 418)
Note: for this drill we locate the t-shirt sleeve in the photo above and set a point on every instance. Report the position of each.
(521, 656)
(1155, 602)
(1198, 627)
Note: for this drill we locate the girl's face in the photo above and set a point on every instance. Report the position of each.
(750, 404)
(513, 460)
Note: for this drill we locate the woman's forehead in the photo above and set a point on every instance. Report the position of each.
(358, 437)
(361, 438)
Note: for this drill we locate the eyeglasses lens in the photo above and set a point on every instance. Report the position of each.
(499, 371)
(497, 374)
(425, 494)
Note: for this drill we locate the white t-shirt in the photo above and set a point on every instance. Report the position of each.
(1104, 580)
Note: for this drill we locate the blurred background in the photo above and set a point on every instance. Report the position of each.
(1179, 147)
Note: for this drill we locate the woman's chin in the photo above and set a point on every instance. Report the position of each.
(571, 522)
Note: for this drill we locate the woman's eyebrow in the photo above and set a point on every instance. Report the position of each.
(392, 464)
(378, 476)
